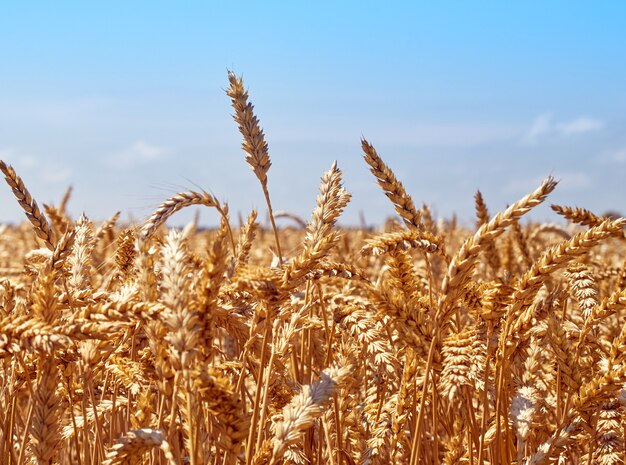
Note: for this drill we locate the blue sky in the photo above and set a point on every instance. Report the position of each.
(125, 101)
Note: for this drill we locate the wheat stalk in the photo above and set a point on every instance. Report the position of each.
(253, 144)
(28, 204)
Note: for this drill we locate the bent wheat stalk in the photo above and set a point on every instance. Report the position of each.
(28, 204)
(178, 202)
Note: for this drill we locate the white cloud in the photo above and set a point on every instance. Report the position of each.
(460, 135)
(542, 126)
(33, 169)
(19, 160)
(619, 155)
(56, 176)
(441, 135)
(579, 126)
(139, 153)
(545, 126)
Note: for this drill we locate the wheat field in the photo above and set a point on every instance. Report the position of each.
(422, 342)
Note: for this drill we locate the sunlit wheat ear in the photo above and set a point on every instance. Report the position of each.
(393, 189)
(46, 414)
(564, 355)
(320, 236)
(221, 400)
(463, 361)
(331, 201)
(181, 318)
(584, 287)
(126, 253)
(305, 408)
(132, 445)
(464, 262)
(63, 249)
(58, 222)
(254, 144)
(80, 260)
(610, 447)
(455, 449)
(174, 204)
(482, 215)
(405, 240)
(581, 216)
(106, 227)
(525, 403)
(28, 204)
(246, 238)
(557, 257)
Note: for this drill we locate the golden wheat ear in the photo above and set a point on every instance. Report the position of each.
(253, 144)
(580, 216)
(518, 317)
(246, 238)
(28, 204)
(320, 236)
(482, 215)
(404, 240)
(393, 189)
(174, 204)
(463, 263)
(301, 412)
(132, 445)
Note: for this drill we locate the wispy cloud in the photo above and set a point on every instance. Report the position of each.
(545, 126)
(619, 155)
(542, 126)
(48, 172)
(56, 176)
(420, 134)
(138, 153)
(17, 158)
(580, 125)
